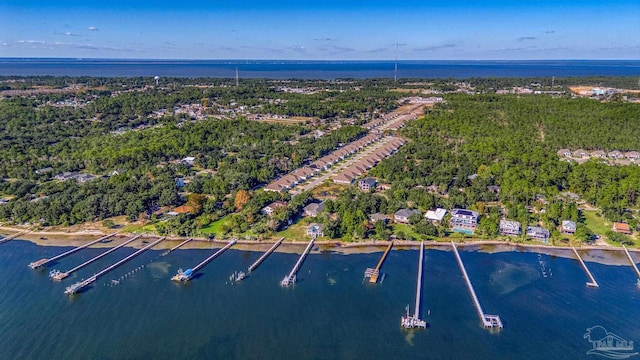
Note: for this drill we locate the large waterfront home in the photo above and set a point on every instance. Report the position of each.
(463, 220)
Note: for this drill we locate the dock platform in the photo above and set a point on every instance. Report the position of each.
(291, 278)
(77, 287)
(632, 262)
(409, 321)
(488, 321)
(592, 283)
(44, 262)
(265, 255)
(374, 273)
(184, 276)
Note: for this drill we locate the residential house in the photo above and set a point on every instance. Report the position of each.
(599, 154)
(568, 227)
(509, 227)
(493, 189)
(622, 228)
(269, 209)
(367, 184)
(564, 153)
(538, 233)
(315, 230)
(615, 154)
(66, 176)
(580, 153)
(378, 217)
(189, 160)
(44, 170)
(435, 216)
(632, 155)
(463, 220)
(344, 178)
(402, 216)
(313, 209)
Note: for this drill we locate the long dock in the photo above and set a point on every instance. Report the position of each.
(265, 255)
(180, 245)
(188, 274)
(488, 321)
(291, 278)
(13, 236)
(592, 283)
(70, 290)
(44, 262)
(633, 263)
(414, 321)
(59, 275)
(373, 274)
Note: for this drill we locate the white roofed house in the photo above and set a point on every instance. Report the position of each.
(435, 216)
(315, 230)
(508, 227)
(568, 227)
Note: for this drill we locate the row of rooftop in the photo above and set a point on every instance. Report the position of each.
(582, 154)
(301, 174)
(355, 170)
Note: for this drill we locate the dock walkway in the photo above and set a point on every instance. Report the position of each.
(75, 288)
(633, 263)
(188, 274)
(591, 283)
(44, 262)
(291, 278)
(414, 321)
(488, 321)
(13, 236)
(373, 274)
(265, 255)
(60, 275)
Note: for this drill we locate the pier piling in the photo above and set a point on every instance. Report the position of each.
(408, 321)
(488, 321)
(291, 278)
(373, 274)
(633, 263)
(592, 283)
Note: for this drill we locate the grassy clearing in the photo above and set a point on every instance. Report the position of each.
(295, 232)
(596, 223)
(406, 229)
(214, 228)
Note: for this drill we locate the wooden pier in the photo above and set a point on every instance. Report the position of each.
(408, 321)
(188, 274)
(60, 275)
(13, 236)
(488, 321)
(179, 245)
(633, 263)
(77, 287)
(592, 283)
(265, 255)
(44, 262)
(373, 274)
(291, 278)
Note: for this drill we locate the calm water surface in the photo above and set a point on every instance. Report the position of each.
(329, 314)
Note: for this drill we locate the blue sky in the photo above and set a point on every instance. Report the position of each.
(323, 30)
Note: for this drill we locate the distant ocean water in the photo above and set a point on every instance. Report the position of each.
(315, 69)
(329, 314)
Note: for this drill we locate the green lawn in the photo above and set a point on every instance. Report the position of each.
(597, 224)
(296, 232)
(406, 229)
(214, 227)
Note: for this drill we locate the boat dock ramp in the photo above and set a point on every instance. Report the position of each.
(60, 275)
(291, 278)
(488, 321)
(77, 287)
(186, 275)
(633, 263)
(265, 255)
(44, 262)
(592, 283)
(408, 321)
(373, 274)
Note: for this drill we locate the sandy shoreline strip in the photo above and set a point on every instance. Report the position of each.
(608, 255)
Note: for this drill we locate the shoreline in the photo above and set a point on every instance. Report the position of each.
(608, 255)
